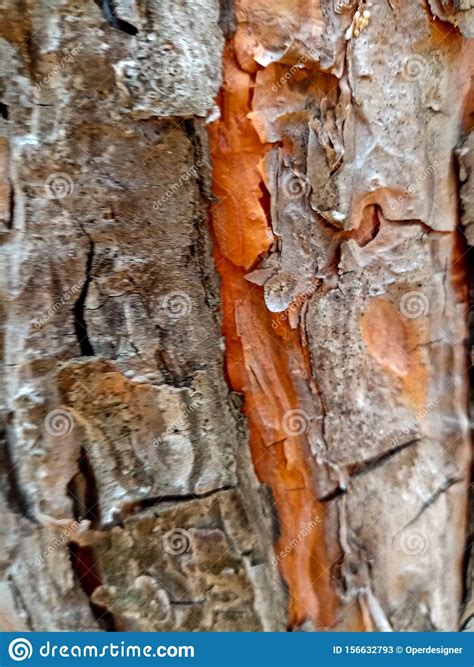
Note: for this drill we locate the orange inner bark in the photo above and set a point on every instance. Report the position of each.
(262, 359)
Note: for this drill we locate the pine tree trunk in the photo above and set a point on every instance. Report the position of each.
(235, 308)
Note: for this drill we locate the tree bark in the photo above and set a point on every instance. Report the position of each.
(235, 308)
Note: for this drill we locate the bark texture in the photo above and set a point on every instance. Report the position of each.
(235, 309)
(128, 484)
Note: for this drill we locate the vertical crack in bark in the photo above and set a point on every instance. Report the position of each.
(467, 611)
(11, 206)
(201, 246)
(4, 111)
(83, 491)
(199, 159)
(110, 14)
(20, 604)
(262, 352)
(85, 568)
(80, 324)
(464, 179)
(15, 495)
(7, 189)
(227, 17)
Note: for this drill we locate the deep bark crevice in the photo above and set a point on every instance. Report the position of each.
(433, 498)
(200, 248)
(4, 113)
(365, 467)
(227, 21)
(369, 465)
(468, 555)
(110, 15)
(80, 323)
(15, 495)
(11, 206)
(83, 491)
(332, 495)
(86, 571)
(20, 604)
(189, 126)
(175, 499)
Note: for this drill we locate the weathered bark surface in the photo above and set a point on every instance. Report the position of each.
(465, 155)
(337, 179)
(112, 319)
